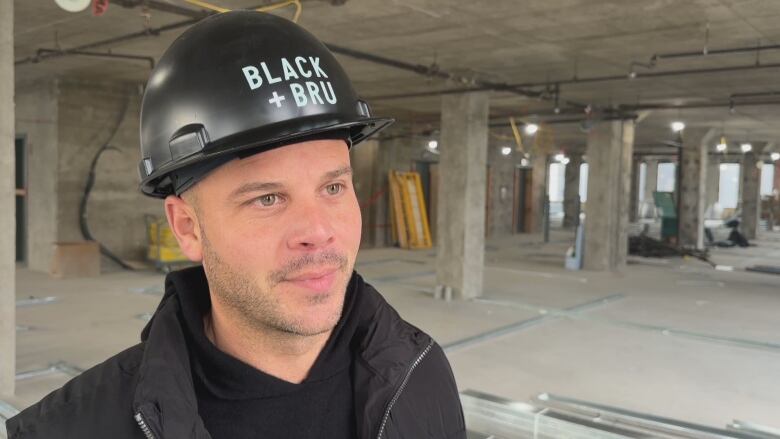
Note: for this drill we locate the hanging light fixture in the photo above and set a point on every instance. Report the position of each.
(722, 146)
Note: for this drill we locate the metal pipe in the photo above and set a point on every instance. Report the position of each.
(109, 41)
(708, 52)
(567, 121)
(593, 79)
(694, 106)
(148, 59)
(683, 72)
(196, 16)
(430, 71)
(754, 95)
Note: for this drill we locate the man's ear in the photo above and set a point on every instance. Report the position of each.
(184, 223)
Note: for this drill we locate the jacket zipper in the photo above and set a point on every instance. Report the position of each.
(145, 428)
(402, 387)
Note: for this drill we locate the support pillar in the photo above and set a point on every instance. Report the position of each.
(776, 185)
(651, 184)
(751, 203)
(693, 186)
(461, 193)
(571, 191)
(540, 166)
(610, 152)
(7, 203)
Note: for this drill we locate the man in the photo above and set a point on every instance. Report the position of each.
(246, 125)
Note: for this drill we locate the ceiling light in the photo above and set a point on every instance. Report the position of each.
(722, 146)
(775, 156)
(506, 150)
(433, 144)
(678, 126)
(746, 147)
(524, 162)
(559, 157)
(531, 129)
(565, 161)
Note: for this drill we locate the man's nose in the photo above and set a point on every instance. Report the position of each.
(312, 227)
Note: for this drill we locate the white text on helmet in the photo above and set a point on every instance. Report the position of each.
(289, 70)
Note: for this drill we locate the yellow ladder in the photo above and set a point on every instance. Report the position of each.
(409, 215)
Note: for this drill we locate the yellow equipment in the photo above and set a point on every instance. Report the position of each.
(408, 214)
(163, 248)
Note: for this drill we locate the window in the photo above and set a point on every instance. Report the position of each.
(667, 177)
(642, 182)
(557, 182)
(767, 179)
(728, 192)
(584, 182)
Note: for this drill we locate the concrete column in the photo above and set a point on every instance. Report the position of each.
(7, 203)
(571, 191)
(693, 186)
(610, 152)
(461, 193)
(540, 166)
(713, 185)
(776, 186)
(751, 205)
(37, 120)
(651, 183)
(365, 166)
(633, 210)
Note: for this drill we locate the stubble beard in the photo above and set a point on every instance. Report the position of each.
(252, 298)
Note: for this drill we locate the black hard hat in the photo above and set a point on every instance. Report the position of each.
(236, 84)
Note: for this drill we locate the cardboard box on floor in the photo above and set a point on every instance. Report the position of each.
(75, 259)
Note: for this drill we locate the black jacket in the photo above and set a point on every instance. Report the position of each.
(403, 385)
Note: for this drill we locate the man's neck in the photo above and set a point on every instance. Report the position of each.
(288, 357)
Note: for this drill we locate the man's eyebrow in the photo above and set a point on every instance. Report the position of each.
(337, 173)
(256, 186)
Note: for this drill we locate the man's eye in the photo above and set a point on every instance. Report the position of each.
(268, 200)
(334, 188)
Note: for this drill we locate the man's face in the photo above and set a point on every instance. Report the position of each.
(279, 234)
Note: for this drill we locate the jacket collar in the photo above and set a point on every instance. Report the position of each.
(385, 346)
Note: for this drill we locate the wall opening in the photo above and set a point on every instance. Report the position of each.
(20, 158)
(728, 192)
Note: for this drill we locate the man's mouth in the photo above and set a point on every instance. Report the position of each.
(318, 281)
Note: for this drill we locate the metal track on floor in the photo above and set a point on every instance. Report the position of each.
(527, 323)
(663, 330)
(551, 416)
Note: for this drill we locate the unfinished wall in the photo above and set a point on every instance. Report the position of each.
(88, 113)
(501, 189)
(65, 122)
(37, 123)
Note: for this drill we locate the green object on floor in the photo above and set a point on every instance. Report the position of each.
(667, 210)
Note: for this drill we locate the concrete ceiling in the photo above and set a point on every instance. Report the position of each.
(536, 43)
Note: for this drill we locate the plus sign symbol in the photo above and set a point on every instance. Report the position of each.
(277, 100)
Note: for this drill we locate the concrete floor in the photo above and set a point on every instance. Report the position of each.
(675, 338)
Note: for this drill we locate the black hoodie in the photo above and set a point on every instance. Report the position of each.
(403, 385)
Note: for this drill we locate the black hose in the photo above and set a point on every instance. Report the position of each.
(83, 223)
